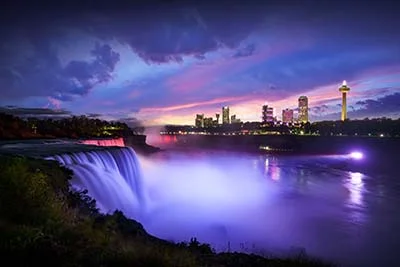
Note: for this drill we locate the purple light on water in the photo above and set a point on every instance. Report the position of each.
(356, 155)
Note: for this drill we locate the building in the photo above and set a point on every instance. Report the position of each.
(303, 109)
(344, 89)
(267, 114)
(208, 122)
(225, 115)
(234, 119)
(287, 115)
(217, 116)
(199, 122)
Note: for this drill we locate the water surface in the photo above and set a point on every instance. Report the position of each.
(274, 204)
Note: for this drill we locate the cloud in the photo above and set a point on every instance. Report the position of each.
(245, 51)
(388, 105)
(42, 74)
(168, 34)
(195, 104)
(34, 111)
(93, 115)
(319, 109)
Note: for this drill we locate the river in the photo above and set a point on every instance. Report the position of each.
(275, 204)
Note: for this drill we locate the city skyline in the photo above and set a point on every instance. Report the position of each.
(163, 66)
(268, 115)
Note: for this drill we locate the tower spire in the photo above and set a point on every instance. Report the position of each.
(344, 89)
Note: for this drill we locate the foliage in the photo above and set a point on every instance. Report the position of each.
(12, 127)
(366, 127)
(42, 221)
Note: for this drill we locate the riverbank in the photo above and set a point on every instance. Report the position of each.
(44, 222)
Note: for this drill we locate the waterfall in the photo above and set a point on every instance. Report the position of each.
(105, 142)
(111, 176)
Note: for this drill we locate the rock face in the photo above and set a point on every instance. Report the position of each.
(138, 143)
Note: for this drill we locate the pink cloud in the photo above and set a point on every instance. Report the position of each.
(194, 104)
(53, 103)
(197, 77)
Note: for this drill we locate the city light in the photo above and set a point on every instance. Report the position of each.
(356, 155)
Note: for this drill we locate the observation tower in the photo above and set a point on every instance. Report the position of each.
(344, 89)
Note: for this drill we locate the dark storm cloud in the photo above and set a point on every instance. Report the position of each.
(30, 64)
(40, 73)
(168, 33)
(33, 111)
(387, 104)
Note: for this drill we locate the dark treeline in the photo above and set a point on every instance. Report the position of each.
(232, 127)
(12, 127)
(366, 127)
(44, 223)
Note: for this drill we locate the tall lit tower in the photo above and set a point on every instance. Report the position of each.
(344, 89)
(225, 115)
(303, 109)
(267, 114)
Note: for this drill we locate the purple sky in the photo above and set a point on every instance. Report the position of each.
(164, 62)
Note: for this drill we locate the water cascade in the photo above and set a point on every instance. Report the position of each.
(105, 142)
(111, 176)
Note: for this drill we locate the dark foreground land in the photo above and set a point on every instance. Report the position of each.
(44, 223)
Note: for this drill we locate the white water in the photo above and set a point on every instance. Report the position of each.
(105, 142)
(112, 177)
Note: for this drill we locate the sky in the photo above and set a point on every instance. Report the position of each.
(162, 62)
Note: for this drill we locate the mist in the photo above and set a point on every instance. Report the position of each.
(239, 202)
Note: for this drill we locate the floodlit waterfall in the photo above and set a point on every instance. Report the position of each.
(105, 142)
(112, 177)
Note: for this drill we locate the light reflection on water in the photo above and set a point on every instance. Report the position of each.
(355, 186)
(273, 203)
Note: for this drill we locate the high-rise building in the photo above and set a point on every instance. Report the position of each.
(344, 89)
(267, 114)
(234, 119)
(217, 116)
(303, 109)
(199, 122)
(225, 115)
(287, 115)
(208, 122)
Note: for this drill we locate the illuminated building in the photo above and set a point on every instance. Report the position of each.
(344, 89)
(208, 122)
(199, 122)
(234, 120)
(225, 115)
(287, 115)
(217, 116)
(303, 109)
(267, 114)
